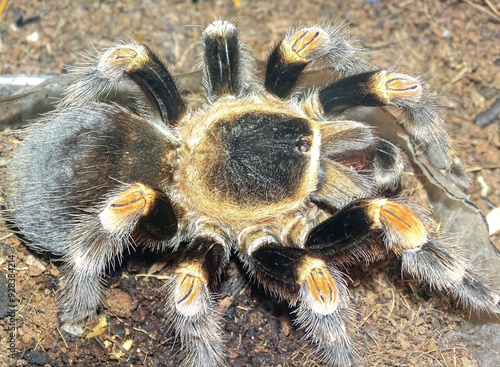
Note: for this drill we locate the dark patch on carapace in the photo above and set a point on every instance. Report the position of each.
(263, 157)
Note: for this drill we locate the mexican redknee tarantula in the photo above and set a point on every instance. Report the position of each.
(277, 176)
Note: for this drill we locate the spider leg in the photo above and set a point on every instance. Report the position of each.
(95, 241)
(317, 289)
(225, 61)
(347, 148)
(419, 110)
(442, 266)
(387, 165)
(118, 66)
(360, 85)
(190, 307)
(82, 275)
(409, 234)
(354, 163)
(141, 211)
(299, 47)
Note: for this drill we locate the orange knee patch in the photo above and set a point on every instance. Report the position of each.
(189, 292)
(321, 289)
(128, 206)
(403, 224)
(303, 44)
(124, 57)
(402, 86)
(393, 87)
(120, 58)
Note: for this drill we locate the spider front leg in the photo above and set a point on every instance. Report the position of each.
(121, 65)
(420, 117)
(190, 307)
(97, 240)
(300, 47)
(316, 288)
(406, 232)
(361, 84)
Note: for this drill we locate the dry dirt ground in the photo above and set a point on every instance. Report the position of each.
(452, 44)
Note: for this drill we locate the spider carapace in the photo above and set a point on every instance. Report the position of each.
(273, 174)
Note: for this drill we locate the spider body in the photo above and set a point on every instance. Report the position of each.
(276, 176)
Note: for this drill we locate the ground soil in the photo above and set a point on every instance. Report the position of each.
(452, 44)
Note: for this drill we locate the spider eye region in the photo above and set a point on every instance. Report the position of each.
(257, 158)
(304, 144)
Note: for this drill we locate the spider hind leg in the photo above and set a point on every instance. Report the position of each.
(442, 266)
(407, 232)
(98, 241)
(190, 307)
(317, 290)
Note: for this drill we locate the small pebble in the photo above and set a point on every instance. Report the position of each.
(33, 37)
(119, 303)
(35, 266)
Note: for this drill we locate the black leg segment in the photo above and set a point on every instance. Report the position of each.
(223, 58)
(282, 75)
(149, 72)
(160, 222)
(279, 263)
(353, 91)
(210, 255)
(342, 231)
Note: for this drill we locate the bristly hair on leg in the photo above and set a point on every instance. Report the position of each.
(444, 268)
(329, 331)
(197, 326)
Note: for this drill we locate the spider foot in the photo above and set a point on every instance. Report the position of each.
(317, 289)
(442, 266)
(190, 307)
(81, 290)
(82, 283)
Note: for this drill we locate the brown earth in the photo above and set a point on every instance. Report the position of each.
(453, 44)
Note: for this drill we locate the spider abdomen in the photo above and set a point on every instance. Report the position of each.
(67, 168)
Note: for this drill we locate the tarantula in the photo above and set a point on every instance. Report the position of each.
(262, 170)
